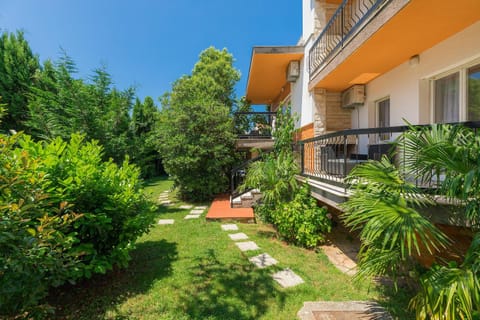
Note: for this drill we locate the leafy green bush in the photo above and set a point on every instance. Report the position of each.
(301, 221)
(64, 215)
(275, 178)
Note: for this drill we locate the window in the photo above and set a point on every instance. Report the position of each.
(447, 98)
(473, 93)
(456, 95)
(383, 116)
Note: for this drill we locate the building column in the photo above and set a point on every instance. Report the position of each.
(320, 111)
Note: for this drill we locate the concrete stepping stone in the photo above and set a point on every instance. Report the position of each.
(287, 278)
(192, 216)
(247, 246)
(238, 236)
(196, 211)
(166, 221)
(166, 202)
(200, 207)
(229, 227)
(186, 206)
(263, 260)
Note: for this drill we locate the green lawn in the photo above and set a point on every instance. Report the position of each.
(192, 270)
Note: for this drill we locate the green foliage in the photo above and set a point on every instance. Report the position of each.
(291, 209)
(18, 66)
(144, 120)
(195, 131)
(450, 155)
(447, 153)
(301, 221)
(64, 215)
(450, 292)
(274, 177)
(275, 174)
(382, 207)
(61, 105)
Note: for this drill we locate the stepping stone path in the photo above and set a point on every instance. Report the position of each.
(285, 278)
(166, 221)
(186, 206)
(229, 227)
(192, 216)
(196, 211)
(247, 245)
(238, 236)
(200, 208)
(263, 260)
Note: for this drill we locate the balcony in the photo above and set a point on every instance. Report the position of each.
(365, 39)
(327, 159)
(254, 130)
(345, 23)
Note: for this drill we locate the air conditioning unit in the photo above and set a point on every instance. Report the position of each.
(293, 70)
(353, 96)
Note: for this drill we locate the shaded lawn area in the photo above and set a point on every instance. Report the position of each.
(193, 270)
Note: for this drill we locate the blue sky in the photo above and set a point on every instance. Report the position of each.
(150, 43)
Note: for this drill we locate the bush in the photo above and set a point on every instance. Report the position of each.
(64, 215)
(301, 221)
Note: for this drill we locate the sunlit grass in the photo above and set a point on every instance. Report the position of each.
(193, 270)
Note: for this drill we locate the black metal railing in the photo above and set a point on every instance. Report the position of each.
(254, 125)
(345, 23)
(331, 157)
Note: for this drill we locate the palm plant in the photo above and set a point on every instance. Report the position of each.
(451, 153)
(383, 207)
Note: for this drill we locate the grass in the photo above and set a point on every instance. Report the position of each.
(193, 270)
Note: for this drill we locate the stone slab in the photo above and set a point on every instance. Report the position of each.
(229, 227)
(263, 260)
(201, 207)
(238, 236)
(195, 211)
(166, 221)
(287, 278)
(192, 216)
(365, 310)
(166, 202)
(186, 206)
(247, 245)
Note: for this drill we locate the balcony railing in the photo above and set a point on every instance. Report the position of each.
(345, 23)
(254, 125)
(331, 157)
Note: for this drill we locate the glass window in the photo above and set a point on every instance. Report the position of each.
(473, 107)
(447, 98)
(384, 113)
(384, 116)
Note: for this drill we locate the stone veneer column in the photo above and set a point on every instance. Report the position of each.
(323, 13)
(320, 111)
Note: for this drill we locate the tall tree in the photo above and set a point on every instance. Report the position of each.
(61, 104)
(144, 152)
(195, 129)
(18, 66)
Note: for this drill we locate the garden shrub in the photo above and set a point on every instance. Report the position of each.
(301, 221)
(64, 215)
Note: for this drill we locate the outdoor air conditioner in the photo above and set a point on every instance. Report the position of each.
(293, 70)
(353, 96)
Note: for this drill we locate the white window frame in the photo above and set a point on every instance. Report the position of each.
(463, 89)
